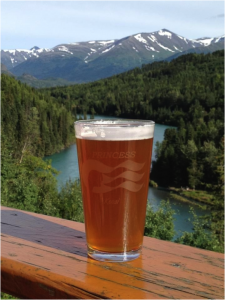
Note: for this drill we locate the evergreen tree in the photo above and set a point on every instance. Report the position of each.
(216, 218)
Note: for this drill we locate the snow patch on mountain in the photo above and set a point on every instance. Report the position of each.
(25, 50)
(182, 38)
(176, 48)
(168, 49)
(135, 49)
(140, 38)
(106, 42)
(166, 33)
(44, 50)
(206, 42)
(219, 38)
(152, 38)
(108, 49)
(10, 51)
(65, 49)
(32, 51)
(151, 48)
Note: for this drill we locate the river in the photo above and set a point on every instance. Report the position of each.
(67, 163)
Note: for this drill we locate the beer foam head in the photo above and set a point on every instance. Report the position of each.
(114, 130)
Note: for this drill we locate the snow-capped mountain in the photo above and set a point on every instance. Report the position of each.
(92, 60)
(12, 58)
(209, 41)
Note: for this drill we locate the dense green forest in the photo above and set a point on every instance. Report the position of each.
(32, 121)
(162, 91)
(187, 92)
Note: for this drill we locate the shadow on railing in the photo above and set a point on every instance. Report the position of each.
(43, 232)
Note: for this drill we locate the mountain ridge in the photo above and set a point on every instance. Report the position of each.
(80, 62)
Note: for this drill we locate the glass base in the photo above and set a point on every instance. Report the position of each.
(113, 257)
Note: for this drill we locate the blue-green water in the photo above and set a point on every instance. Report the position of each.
(67, 163)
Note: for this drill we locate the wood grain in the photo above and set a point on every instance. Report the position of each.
(45, 258)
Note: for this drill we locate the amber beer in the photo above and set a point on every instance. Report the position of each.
(114, 164)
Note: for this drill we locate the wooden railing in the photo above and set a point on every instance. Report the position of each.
(45, 257)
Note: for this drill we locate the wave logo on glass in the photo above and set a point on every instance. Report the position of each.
(130, 175)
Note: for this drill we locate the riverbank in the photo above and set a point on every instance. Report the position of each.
(194, 197)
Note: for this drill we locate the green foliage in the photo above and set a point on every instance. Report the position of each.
(197, 195)
(32, 122)
(7, 296)
(187, 156)
(69, 202)
(42, 83)
(26, 184)
(159, 224)
(200, 237)
(216, 217)
(31, 185)
(153, 184)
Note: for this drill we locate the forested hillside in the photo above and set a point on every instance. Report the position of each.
(33, 126)
(187, 92)
(32, 121)
(162, 91)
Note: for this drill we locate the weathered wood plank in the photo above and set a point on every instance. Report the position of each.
(45, 257)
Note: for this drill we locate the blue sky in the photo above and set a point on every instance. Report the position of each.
(25, 24)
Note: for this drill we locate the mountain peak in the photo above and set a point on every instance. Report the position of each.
(34, 48)
(165, 32)
(164, 29)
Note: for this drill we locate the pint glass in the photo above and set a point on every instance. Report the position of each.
(114, 164)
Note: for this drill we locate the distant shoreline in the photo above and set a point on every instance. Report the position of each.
(195, 197)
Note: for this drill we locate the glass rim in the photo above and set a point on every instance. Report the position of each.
(115, 122)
